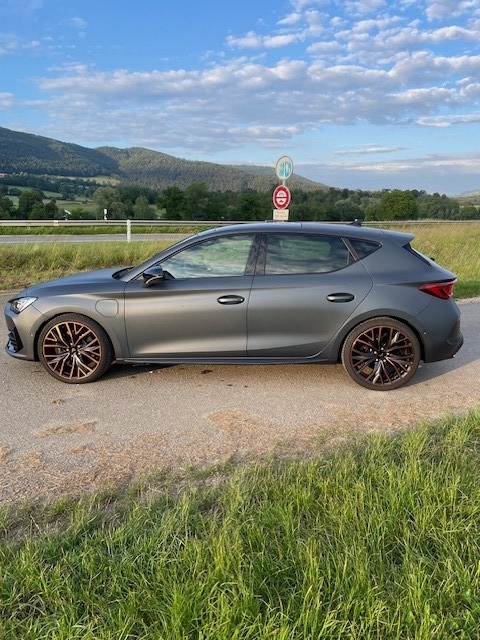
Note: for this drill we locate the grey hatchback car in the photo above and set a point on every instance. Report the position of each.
(249, 293)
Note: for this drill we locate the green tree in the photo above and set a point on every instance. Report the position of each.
(142, 209)
(398, 205)
(373, 210)
(469, 212)
(37, 212)
(27, 201)
(253, 205)
(346, 209)
(51, 211)
(6, 208)
(197, 198)
(174, 203)
(437, 206)
(81, 213)
(109, 198)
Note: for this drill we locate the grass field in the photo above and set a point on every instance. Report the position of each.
(454, 246)
(376, 540)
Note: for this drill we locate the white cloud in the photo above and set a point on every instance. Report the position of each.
(291, 19)
(448, 121)
(444, 9)
(7, 100)
(364, 7)
(369, 149)
(450, 174)
(78, 23)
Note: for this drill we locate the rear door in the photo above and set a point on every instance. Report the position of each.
(306, 288)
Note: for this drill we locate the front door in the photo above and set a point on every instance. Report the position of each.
(199, 309)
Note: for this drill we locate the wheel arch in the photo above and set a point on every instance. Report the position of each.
(115, 345)
(339, 341)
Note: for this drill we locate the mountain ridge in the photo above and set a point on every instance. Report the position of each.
(39, 155)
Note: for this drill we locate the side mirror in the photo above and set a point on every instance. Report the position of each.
(153, 275)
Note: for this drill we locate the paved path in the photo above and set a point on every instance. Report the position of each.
(101, 237)
(57, 438)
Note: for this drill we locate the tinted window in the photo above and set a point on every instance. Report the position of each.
(214, 258)
(296, 253)
(363, 247)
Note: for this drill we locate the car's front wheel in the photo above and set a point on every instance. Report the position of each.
(74, 349)
(381, 354)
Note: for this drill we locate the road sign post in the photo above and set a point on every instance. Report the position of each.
(281, 195)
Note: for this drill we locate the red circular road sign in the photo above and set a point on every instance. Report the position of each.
(281, 197)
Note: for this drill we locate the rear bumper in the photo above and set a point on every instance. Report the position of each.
(450, 347)
(445, 339)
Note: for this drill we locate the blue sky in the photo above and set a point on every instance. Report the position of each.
(363, 94)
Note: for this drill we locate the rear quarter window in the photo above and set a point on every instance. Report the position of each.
(363, 248)
(422, 257)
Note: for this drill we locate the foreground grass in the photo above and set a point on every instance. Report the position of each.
(379, 540)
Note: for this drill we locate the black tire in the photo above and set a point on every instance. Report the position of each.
(381, 354)
(74, 349)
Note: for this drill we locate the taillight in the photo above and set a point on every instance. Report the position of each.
(443, 290)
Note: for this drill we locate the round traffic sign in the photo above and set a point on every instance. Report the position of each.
(281, 197)
(284, 168)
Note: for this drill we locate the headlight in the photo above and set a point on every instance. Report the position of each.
(19, 304)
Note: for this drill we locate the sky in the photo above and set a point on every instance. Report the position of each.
(361, 94)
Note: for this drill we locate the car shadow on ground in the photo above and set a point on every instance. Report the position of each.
(426, 372)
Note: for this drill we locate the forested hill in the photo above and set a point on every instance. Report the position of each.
(38, 155)
(29, 153)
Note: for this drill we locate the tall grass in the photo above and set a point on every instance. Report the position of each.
(454, 246)
(21, 265)
(378, 540)
(71, 229)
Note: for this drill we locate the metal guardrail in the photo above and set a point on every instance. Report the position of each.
(110, 223)
(196, 223)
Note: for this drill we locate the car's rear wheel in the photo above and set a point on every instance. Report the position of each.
(381, 354)
(74, 349)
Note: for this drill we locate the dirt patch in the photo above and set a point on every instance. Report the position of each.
(4, 451)
(66, 429)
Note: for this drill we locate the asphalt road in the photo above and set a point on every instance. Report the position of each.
(105, 237)
(61, 439)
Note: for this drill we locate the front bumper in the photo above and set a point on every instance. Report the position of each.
(22, 329)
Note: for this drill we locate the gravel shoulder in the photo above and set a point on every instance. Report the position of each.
(58, 439)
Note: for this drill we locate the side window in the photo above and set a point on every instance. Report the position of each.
(215, 258)
(363, 248)
(297, 253)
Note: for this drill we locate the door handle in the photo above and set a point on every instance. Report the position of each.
(231, 299)
(340, 297)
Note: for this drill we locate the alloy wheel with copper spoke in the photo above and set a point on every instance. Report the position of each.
(74, 349)
(381, 354)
